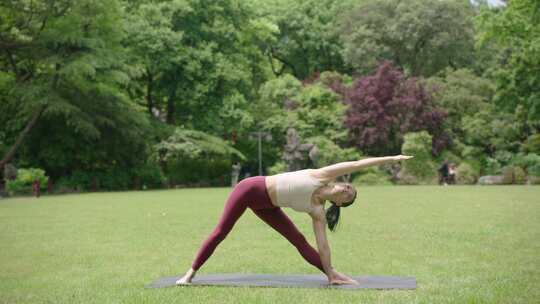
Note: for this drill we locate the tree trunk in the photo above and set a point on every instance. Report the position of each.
(149, 87)
(171, 108)
(9, 155)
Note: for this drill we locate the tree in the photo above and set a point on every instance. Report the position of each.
(306, 42)
(516, 30)
(384, 106)
(421, 37)
(62, 65)
(200, 62)
(462, 94)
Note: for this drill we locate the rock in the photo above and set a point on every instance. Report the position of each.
(491, 180)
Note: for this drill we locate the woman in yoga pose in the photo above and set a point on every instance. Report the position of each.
(304, 191)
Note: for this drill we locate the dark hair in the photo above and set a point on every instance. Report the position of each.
(332, 213)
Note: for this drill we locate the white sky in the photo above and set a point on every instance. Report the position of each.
(495, 2)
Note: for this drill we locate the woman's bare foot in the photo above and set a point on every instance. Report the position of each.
(337, 278)
(186, 279)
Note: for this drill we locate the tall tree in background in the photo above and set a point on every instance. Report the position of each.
(199, 61)
(62, 65)
(307, 41)
(421, 37)
(516, 30)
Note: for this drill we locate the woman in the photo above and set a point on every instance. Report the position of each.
(304, 191)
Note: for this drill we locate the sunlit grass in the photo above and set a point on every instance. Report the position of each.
(463, 244)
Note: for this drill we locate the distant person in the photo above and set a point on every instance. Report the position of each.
(36, 188)
(443, 173)
(236, 167)
(451, 174)
(304, 191)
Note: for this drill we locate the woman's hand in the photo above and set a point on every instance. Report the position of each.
(401, 157)
(336, 278)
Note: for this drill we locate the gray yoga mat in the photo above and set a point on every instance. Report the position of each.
(298, 281)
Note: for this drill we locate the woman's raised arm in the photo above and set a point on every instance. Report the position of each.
(339, 169)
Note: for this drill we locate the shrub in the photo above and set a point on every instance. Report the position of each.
(492, 166)
(149, 176)
(109, 180)
(508, 175)
(534, 170)
(372, 176)
(532, 144)
(449, 156)
(278, 167)
(200, 172)
(466, 174)
(25, 178)
(520, 177)
(421, 167)
(330, 153)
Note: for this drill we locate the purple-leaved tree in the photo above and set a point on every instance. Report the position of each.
(383, 107)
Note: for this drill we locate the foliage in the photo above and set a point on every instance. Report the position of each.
(516, 30)
(384, 106)
(315, 111)
(531, 144)
(149, 176)
(372, 176)
(312, 109)
(66, 62)
(527, 161)
(206, 171)
(199, 61)
(196, 158)
(110, 179)
(421, 166)
(520, 176)
(491, 131)
(330, 153)
(306, 42)
(465, 174)
(93, 91)
(421, 37)
(25, 178)
(462, 94)
(278, 167)
(192, 144)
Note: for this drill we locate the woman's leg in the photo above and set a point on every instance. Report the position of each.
(278, 220)
(234, 208)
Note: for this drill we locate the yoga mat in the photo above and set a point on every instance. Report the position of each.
(297, 281)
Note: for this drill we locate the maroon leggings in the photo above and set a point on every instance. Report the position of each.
(251, 193)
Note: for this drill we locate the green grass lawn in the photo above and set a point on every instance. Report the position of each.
(463, 245)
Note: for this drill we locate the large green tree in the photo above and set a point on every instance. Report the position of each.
(420, 36)
(62, 76)
(199, 62)
(515, 29)
(307, 41)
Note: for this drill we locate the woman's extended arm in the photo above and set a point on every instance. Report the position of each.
(339, 169)
(319, 227)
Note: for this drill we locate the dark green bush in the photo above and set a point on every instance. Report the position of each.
(200, 172)
(149, 176)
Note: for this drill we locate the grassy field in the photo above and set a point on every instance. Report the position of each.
(463, 245)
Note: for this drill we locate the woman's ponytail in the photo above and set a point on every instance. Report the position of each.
(332, 216)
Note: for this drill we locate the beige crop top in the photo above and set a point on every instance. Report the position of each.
(294, 189)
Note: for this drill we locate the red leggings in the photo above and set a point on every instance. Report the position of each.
(251, 193)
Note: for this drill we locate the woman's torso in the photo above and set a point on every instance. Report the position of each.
(271, 182)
